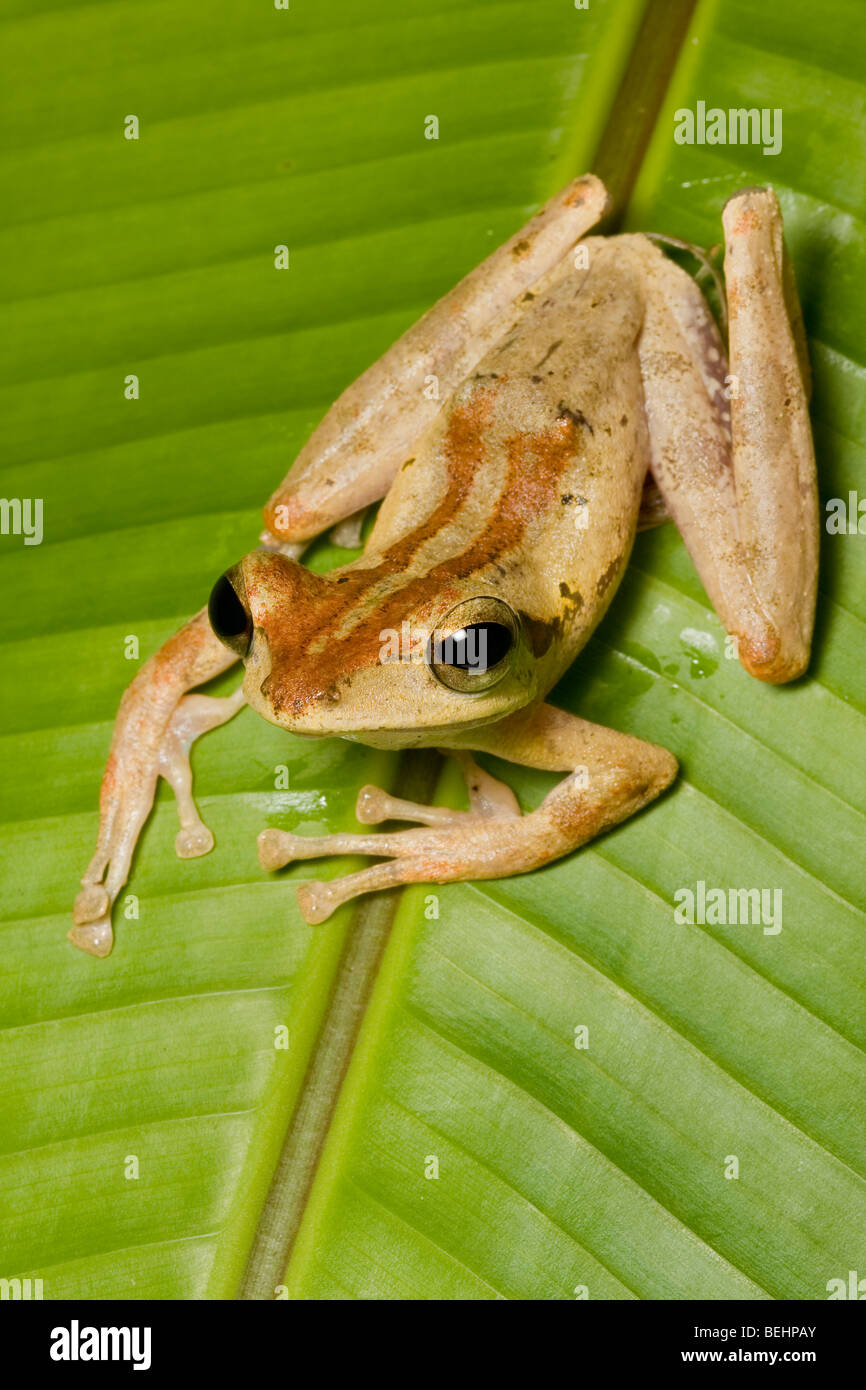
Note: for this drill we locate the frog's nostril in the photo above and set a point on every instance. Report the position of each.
(229, 613)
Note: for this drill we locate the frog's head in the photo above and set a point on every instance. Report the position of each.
(368, 652)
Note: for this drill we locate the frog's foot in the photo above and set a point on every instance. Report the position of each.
(614, 775)
(452, 849)
(488, 798)
(146, 747)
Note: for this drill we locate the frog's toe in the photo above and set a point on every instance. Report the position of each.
(92, 902)
(192, 841)
(373, 805)
(92, 917)
(274, 848)
(317, 901)
(96, 938)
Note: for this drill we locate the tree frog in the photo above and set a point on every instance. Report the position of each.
(566, 389)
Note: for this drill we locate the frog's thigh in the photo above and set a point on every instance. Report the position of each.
(353, 456)
(611, 776)
(741, 486)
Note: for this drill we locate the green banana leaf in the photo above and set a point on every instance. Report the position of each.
(542, 1087)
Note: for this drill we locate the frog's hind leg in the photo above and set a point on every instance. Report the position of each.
(732, 448)
(611, 776)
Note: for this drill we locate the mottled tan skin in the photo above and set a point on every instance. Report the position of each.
(567, 384)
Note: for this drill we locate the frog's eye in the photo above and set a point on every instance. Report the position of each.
(469, 652)
(229, 612)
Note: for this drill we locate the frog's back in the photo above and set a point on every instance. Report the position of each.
(528, 484)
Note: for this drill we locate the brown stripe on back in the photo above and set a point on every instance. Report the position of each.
(535, 463)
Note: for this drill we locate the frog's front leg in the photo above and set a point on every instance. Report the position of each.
(353, 456)
(612, 775)
(156, 724)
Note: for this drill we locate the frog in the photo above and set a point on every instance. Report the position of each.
(569, 391)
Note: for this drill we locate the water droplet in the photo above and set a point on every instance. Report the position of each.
(701, 648)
